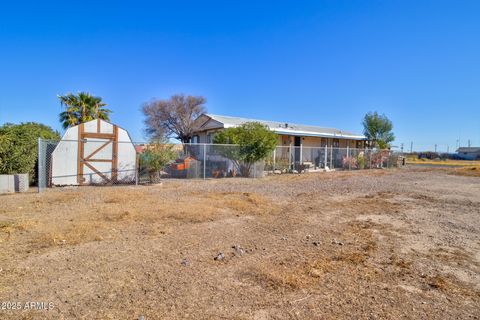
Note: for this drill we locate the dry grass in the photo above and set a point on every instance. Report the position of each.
(307, 241)
(350, 258)
(108, 212)
(473, 171)
(446, 162)
(448, 284)
(377, 203)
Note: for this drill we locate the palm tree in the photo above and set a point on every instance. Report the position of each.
(81, 108)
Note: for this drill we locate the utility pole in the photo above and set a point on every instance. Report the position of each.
(401, 147)
(411, 146)
(448, 149)
(469, 143)
(435, 148)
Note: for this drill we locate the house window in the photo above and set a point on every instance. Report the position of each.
(336, 143)
(195, 139)
(359, 144)
(209, 137)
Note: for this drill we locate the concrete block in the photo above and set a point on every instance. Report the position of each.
(21, 182)
(7, 183)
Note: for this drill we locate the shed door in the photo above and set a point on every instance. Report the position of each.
(97, 157)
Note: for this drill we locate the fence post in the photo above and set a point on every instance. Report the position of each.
(331, 156)
(348, 158)
(364, 158)
(326, 158)
(370, 158)
(290, 157)
(204, 160)
(137, 168)
(274, 159)
(39, 166)
(301, 154)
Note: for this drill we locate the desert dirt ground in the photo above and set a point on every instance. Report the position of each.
(378, 244)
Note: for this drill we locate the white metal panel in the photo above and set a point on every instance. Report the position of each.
(126, 157)
(64, 159)
(7, 183)
(65, 155)
(92, 177)
(106, 127)
(90, 126)
(92, 144)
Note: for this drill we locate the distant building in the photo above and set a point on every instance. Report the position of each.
(469, 153)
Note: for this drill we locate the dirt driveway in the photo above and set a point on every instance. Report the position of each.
(388, 244)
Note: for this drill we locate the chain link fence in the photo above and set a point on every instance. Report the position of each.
(100, 162)
(309, 159)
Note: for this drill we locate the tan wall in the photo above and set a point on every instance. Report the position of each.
(312, 142)
(284, 140)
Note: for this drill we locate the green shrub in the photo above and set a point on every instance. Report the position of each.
(19, 147)
(361, 160)
(155, 158)
(254, 140)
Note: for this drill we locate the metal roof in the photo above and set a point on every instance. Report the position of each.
(289, 128)
(468, 149)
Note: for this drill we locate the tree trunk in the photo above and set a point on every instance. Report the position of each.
(245, 169)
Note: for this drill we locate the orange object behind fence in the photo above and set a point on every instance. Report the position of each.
(182, 164)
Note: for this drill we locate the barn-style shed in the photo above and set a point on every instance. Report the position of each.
(94, 152)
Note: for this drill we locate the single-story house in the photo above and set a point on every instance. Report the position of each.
(469, 153)
(289, 134)
(297, 144)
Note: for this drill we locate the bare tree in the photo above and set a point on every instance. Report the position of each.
(173, 118)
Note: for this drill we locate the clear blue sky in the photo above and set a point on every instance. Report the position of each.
(315, 62)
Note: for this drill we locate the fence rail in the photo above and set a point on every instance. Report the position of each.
(102, 162)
